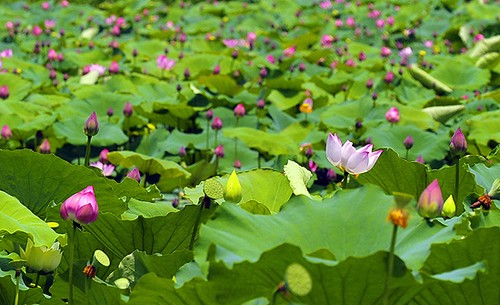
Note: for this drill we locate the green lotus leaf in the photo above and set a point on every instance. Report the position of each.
(461, 75)
(16, 218)
(428, 80)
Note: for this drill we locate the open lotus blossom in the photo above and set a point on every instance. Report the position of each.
(107, 169)
(42, 258)
(81, 207)
(347, 158)
(165, 63)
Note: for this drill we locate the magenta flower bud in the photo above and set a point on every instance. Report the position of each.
(6, 132)
(219, 151)
(263, 73)
(237, 164)
(458, 143)
(408, 142)
(128, 110)
(217, 123)
(4, 92)
(430, 203)
(91, 127)
(187, 74)
(389, 77)
(210, 114)
(302, 67)
(45, 147)
(313, 166)
(182, 151)
(385, 52)
(374, 96)
(52, 54)
(103, 156)
(239, 110)
(235, 54)
(217, 69)
(114, 68)
(261, 104)
(392, 115)
(362, 56)
(175, 202)
(81, 207)
(110, 112)
(52, 74)
(420, 159)
(135, 52)
(369, 83)
(134, 174)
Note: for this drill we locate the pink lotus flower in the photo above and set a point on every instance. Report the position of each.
(37, 31)
(4, 92)
(288, 52)
(52, 54)
(239, 110)
(81, 207)
(392, 115)
(91, 127)
(430, 203)
(458, 143)
(45, 147)
(103, 156)
(95, 67)
(338, 23)
(326, 41)
(6, 53)
(325, 4)
(406, 52)
(350, 22)
(134, 174)
(347, 158)
(163, 62)
(6, 132)
(380, 23)
(128, 110)
(107, 169)
(114, 67)
(385, 52)
(271, 59)
(390, 20)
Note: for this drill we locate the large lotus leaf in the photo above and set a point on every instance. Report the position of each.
(221, 84)
(164, 234)
(168, 170)
(395, 174)
(481, 245)
(428, 80)
(26, 295)
(157, 92)
(199, 62)
(84, 58)
(461, 75)
(98, 292)
(412, 95)
(155, 290)
(429, 145)
(282, 143)
(359, 215)
(18, 87)
(485, 176)
(138, 263)
(299, 177)
(484, 127)
(71, 131)
(283, 102)
(16, 218)
(444, 113)
(37, 180)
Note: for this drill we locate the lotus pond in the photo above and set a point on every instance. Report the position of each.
(260, 152)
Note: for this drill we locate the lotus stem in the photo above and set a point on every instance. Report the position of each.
(390, 265)
(87, 151)
(37, 279)
(18, 280)
(407, 150)
(345, 180)
(208, 140)
(196, 225)
(72, 242)
(457, 179)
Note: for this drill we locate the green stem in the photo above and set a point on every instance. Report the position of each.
(345, 180)
(144, 183)
(18, 280)
(407, 154)
(208, 140)
(37, 278)
(87, 151)
(457, 179)
(196, 225)
(216, 132)
(390, 265)
(72, 242)
(258, 159)
(86, 290)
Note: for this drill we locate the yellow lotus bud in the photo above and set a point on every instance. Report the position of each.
(233, 188)
(449, 207)
(42, 258)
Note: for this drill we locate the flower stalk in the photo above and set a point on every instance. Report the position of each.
(72, 242)
(390, 264)
(87, 151)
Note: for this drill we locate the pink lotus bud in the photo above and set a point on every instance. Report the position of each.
(392, 115)
(65, 3)
(390, 20)
(46, 5)
(420, 159)
(128, 110)
(52, 54)
(37, 31)
(219, 151)
(338, 23)
(217, 123)
(350, 22)
(217, 69)
(362, 56)
(369, 83)
(6, 132)
(389, 77)
(237, 164)
(114, 68)
(103, 156)
(251, 37)
(261, 104)
(458, 143)
(209, 114)
(239, 110)
(187, 73)
(91, 127)
(134, 174)
(81, 207)
(163, 62)
(263, 72)
(4, 92)
(182, 151)
(478, 37)
(385, 51)
(430, 203)
(289, 52)
(408, 142)
(380, 23)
